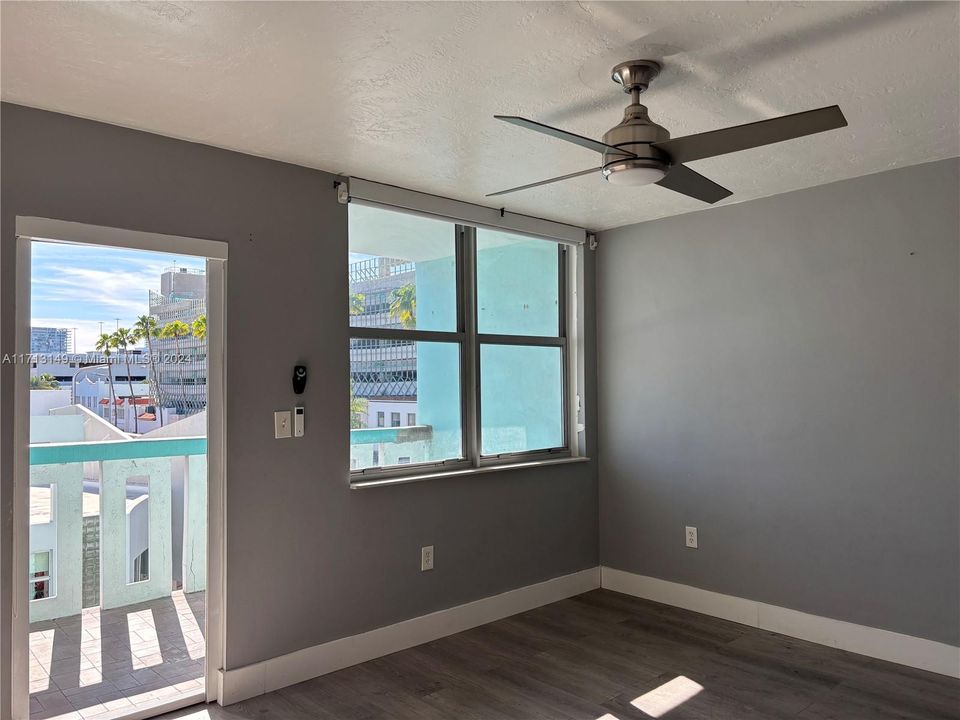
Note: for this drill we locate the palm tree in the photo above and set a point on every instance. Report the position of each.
(403, 305)
(199, 328)
(105, 345)
(357, 303)
(358, 410)
(147, 328)
(44, 381)
(123, 339)
(176, 329)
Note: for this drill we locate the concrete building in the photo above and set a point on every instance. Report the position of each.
(93, 393)
(66, 366)
(48, 340)
(182, 362)
(382, 372)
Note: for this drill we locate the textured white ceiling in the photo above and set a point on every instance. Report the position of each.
(405, 93)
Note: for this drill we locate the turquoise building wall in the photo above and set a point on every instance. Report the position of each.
(438, 364)
(522, 387)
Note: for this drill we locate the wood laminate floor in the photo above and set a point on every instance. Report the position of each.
(615, 657)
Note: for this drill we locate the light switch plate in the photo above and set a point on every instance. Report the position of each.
(281, 424)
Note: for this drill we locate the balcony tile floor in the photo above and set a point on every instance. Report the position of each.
(104, 662)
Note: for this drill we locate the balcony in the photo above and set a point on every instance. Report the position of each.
(117, 571)
(103, 663)
(118, 561)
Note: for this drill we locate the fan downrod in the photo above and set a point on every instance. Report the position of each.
(635, 75)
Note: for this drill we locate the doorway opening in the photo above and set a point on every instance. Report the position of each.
(123, 409)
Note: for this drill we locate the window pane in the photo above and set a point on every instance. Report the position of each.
(403, 270)
(39, 590)
(518, 289)
(42, 503)
(39, 564)
(521, 398)
(418, 381)
(39, 586)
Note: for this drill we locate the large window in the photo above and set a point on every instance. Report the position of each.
(461, 332)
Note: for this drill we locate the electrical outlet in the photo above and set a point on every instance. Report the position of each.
(426, 558)
(691, 537)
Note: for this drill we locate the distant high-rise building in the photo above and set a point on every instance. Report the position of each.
(183, 284)
(48, 340)
(382, 372)
(182, 370)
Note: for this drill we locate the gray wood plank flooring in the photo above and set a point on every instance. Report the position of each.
(593, 656)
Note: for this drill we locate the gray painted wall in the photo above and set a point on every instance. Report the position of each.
(308, 559)
(783, 374)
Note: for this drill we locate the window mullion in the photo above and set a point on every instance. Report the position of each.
(534, 340)
(565, 360)
(470, 354)
(571, 348)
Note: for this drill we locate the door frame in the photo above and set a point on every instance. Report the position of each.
(29, 229)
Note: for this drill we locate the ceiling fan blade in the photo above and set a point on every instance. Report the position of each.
(570, 137)
(751, 135)
(546, 182)
(685, 181)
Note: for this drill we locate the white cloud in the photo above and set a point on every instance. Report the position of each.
(115, 291)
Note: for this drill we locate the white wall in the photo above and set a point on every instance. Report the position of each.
(64, 537)
(403, 407)
(42, 401)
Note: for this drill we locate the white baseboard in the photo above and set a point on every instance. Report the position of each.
(263, 677)
(882, 644)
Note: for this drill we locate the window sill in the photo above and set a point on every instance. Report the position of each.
(469, 472)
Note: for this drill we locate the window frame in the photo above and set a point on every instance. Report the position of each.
(138, 567)
(560, 340)
(470, 341)
(47, 578)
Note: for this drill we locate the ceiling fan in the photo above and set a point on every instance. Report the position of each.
(639, 152)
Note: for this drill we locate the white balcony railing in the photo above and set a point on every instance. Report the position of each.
(149, 494)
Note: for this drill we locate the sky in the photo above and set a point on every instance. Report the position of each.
(80, 286)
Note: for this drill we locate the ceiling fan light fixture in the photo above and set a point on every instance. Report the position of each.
(634, 172)
(635, 176)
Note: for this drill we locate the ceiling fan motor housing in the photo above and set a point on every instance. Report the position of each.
(636, 134)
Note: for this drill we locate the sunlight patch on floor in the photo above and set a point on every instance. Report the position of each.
(91, 664)
(144, 643)
(41, 657)
(189, 627)
(659, 701)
